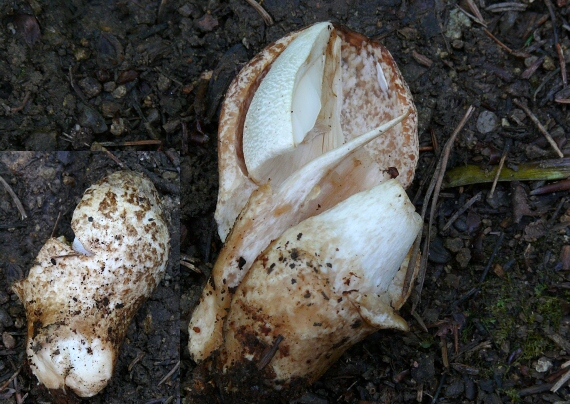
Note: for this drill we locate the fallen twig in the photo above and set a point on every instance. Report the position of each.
(563, 185)
(467, 205)
(505, 47)
(563, 379)
(500, 168)
(435, 187)
(115, 159)
(559, 51)
(17, 202)
(7, 382)
(174, 369)
(559, 340)
(540, 127)
(545, 80)
(139, 356)
(55, 225)
(264, 14)
(473, 17)
(475, 10)
(507, 6)
(539, 388)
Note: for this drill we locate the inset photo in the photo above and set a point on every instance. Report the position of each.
(89, 295)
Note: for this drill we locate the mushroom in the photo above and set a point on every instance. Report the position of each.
(80, 299)
(323, 286)
(310, 131)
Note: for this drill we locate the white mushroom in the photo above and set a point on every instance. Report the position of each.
(80, 300)
(310, 131)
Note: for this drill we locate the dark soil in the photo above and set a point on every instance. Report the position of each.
(487, 338)
(50, 184)
(74, 73)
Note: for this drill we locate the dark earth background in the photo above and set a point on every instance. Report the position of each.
(51, 183)
(157, 70)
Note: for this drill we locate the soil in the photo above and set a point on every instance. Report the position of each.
(49, 186)
(485, 325)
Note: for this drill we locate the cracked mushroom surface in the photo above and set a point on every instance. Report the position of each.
(80, 300)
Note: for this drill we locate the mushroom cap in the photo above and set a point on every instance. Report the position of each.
(373, 92)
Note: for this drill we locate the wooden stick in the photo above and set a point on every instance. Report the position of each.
(435, 187)
(561, 382)
(19, 205)
(174, 369)
(501, 163)
(264, 14)
(460, 211)
(540, 127)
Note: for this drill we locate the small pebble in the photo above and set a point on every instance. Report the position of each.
(530, 60)
(548, 63)
(109, 108)
(153, 116)
(103, 75)
(109, 86)
(457, 44)
(454, 389)
(13, 273)
(4, 297)
(460, 224)
(169, 175)
(457, 21)
(127, 76)
(453, 244)
(437, 252)
(207, 23)
(8, 341)
(119, 92)
(81, 54)
(118, 126)
(543, 365)
(90, 86)
(5, 318)
(463, 257)
(90, 118)
(469, 388)
(487, 122)
(163, 83)
(185, 10)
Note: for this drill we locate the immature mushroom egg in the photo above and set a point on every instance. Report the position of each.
(269, 140)
(79, 306)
